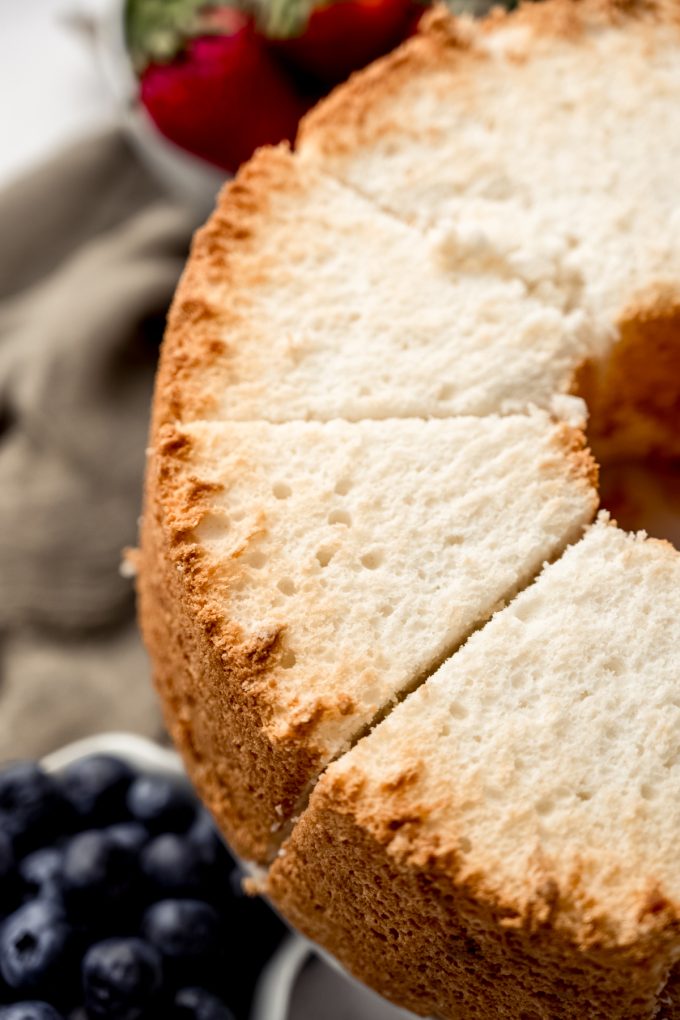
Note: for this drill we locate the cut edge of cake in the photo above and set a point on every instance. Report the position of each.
(297, 303)
(574, 930)
(255, 749)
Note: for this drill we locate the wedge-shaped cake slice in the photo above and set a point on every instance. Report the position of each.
(508, 136)
(298, 578)
(302, 300)
(505, 844)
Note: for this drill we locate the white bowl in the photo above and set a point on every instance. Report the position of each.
(145, 756)
(186, 177)
(296, 984)
(137, 751)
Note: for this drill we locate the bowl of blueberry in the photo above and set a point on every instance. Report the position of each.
(118, 899)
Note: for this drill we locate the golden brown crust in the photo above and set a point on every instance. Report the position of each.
(339, 123)
(211, 299)
(442, 947)
(212, 681)
(584, 468)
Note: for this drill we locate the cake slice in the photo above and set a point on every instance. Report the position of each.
(298, 578)
(505, 843)
(546, 141)
(302, 300)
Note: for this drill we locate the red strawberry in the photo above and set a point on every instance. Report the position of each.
(223, 95)
(341, 36)
(415, 16)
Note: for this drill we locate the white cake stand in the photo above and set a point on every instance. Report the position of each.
(301, 983)
(298, 983)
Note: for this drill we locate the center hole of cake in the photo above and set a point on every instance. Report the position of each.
(644, 495)
(633, 400)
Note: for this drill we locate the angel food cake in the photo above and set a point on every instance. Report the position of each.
(459, 766)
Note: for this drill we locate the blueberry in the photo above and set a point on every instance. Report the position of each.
(41, 874)
(8, 884)
(197, 1004)
(95, 787)
(172, 865)
(29, 805)
(29, 1011)
(121, 978)
(182, 929)
(97, 872)
(131, 835)
(209, 843)
(160, 804)
(7, 859)
(253, 933)
(35, 947)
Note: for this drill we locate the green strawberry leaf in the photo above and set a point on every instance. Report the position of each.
(157, 30)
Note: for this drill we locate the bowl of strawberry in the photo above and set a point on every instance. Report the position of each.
(118, 899)
(203, 84)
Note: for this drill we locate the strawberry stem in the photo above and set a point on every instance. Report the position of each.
(280, 19)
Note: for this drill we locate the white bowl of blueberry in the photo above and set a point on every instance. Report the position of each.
(118, 900)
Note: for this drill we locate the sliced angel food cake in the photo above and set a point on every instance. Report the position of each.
(303, 300)
(505, 843)
(298, 578)
(365, 444)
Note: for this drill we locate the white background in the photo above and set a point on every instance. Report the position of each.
(51, 86)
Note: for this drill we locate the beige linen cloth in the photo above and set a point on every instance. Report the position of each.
(90, 252)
